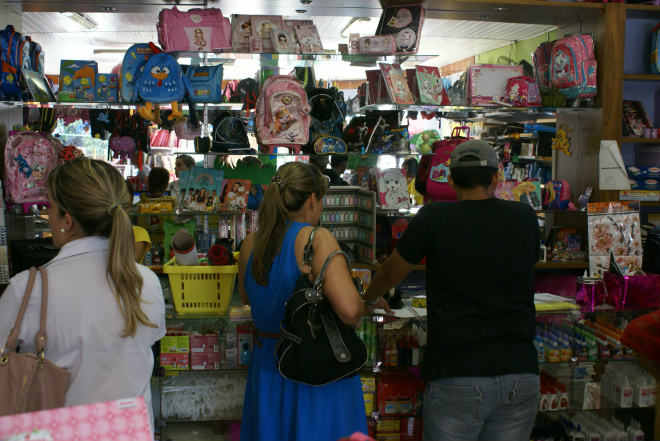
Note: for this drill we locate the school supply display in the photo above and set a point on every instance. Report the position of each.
(393, 189)
(396, 84)
(206, 83)
(486, 83)
(431, 179)
(404, 23)
(105, 89)
(15, 56)
(200, 30)
(30, 382)
(574, 66)
(262, 25)
(377, 45)
(29, 158)
(430, 88)
(200, 189)
(131, 68)
(77, 80)
(315, 347)
(234, 195)
(283, 118)
(309, 39)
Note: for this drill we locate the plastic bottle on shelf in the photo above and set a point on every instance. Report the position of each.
(565, 349)
(544, 404)
(562, 401)
(540, 348)
(544, 252)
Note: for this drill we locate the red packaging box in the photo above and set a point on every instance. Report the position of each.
(200, 361)
(204, 343)
(178, 361)
(399, 393)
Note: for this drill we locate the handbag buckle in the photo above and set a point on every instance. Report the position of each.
(4, 358)
(42, 360)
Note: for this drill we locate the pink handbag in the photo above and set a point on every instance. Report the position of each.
(201, 30)
(633, 292)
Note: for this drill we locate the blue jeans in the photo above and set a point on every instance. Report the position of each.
(481, 408)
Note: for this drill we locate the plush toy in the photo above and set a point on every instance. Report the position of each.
(70, 152)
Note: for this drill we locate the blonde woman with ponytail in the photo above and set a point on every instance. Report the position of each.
(104, 310)
(276, 408)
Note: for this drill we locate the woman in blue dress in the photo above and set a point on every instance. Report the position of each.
(276, 408)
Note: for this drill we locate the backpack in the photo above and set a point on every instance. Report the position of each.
(229, 134)
(229, 95)
(574, 66)
(29, 158)
(542, 58)
(327, 121)
(131, 68)
(206, 83)
(282, 114)
(162, 82)
(431, 179)
(37, 62)
(247, 92)
(522, 91)
(15, 48)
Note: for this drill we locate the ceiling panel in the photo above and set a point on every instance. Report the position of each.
(450, 40)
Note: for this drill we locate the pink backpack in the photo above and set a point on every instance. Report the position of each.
(29, 158)
(556, 195)
(522, 91)
(282, 114)
(542, 60)
(201, 30)
(573, 69)
(434, 169)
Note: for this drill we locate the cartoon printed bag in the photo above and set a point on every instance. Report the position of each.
(206, 83)
(201, 30)
(326, 123)
(522, 91)
(542, 58)
(131, 69)
(573, 68)
(29, 158)
(282, 114)
(431, 179)
(15, 56)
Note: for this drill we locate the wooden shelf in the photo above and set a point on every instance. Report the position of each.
(641, 140)
(561, 265)
(641, 77)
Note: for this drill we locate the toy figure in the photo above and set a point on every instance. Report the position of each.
(23, 166)
(562, 142)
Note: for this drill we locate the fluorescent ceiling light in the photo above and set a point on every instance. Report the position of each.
(81, 19)
(359, 25)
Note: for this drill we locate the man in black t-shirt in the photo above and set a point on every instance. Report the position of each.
(480, 362)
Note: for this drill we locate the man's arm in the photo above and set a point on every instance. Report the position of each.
(391, 273)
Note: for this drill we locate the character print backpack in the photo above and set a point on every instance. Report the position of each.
(542, 58)
(431, 179)
(29, 158)
(229, 134)
(15, 49)
(522, 91)
(573, 69)
(282, 114)
(37, 58)
(161, 82)
(326, 123)
(131, 69)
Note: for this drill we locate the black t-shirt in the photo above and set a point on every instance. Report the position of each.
(335, 179)
(480, 257)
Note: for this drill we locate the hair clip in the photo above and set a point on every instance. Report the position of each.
(281, 183)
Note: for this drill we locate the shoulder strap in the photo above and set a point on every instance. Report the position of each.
(41, 335)
(12, 339)
(319, 280)
(308, 253)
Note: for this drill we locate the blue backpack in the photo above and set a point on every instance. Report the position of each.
(162, 82)
(15, 49)
(37, 62)
(206, 83)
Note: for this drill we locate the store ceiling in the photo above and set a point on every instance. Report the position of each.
(450, 39)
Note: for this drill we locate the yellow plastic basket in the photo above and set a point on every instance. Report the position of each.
(201, 289)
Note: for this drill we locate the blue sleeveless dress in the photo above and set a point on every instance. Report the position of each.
(278, 409)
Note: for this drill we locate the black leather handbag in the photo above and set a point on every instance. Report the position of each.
(315, 347)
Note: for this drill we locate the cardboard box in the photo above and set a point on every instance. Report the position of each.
(639, 195)
(208, 343)
(368, 403)
(171, 344)
(173, 361)
(200, 361)
(644, 183)
(368, 384)
(105, 89)
(399, 393)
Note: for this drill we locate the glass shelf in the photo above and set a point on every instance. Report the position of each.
(292, 60)
(122, 105)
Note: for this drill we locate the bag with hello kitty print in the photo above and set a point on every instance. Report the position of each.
(431, 179)
(573, 66)
(282, 114)
(522, 91)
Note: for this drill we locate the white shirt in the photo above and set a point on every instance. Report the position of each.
(84, 324)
